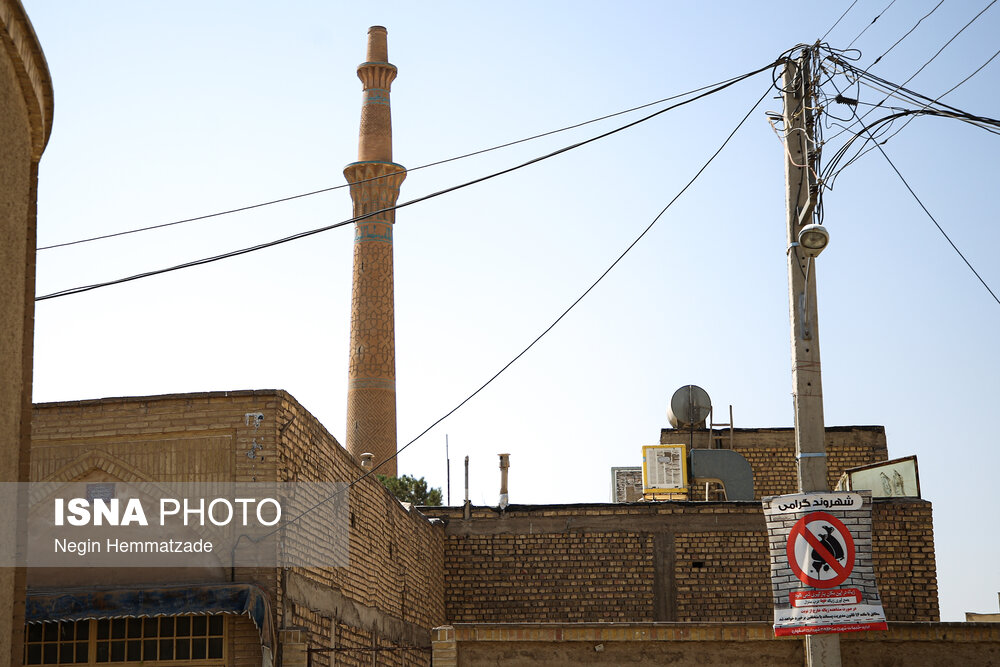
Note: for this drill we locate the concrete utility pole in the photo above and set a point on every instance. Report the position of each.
(802, 193)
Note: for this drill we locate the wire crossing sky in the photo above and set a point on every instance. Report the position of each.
(159, 117)
(295, 237)
(249, 207)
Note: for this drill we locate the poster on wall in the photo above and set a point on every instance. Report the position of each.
(822, 578)
(626, 484)
(885, 479)
(664, 468)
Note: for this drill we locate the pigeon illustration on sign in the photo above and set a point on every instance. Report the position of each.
(832, 546)
(820, 550)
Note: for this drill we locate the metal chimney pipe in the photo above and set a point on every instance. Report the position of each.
(467, 511)
(504, 465)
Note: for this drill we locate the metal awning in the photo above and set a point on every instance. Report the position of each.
(78, 604)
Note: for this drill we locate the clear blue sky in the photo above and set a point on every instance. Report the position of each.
(170, 110)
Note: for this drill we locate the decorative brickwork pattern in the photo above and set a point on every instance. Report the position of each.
(371, 390)
(375, 182)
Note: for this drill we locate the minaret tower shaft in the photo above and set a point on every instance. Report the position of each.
(375, 181)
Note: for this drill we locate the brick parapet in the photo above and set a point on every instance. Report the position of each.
(752, 644)
(771, 452)
(670, 561)
(656, 632)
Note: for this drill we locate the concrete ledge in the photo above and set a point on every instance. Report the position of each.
(645, 632)
(747, 644)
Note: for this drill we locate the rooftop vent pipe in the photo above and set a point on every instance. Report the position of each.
(504, 465)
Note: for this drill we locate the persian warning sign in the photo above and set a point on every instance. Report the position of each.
(821, 563)
(821, 550)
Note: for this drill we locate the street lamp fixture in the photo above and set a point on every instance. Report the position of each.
(813, 239)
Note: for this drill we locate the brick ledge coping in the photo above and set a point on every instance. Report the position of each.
(600, 632)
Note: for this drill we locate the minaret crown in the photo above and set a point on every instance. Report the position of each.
(378, 49)
(377, 75)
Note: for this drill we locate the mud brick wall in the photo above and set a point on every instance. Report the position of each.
(642, 562)
(771, 452)
(392, 593)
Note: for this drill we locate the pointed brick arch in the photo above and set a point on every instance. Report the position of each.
(95, 460)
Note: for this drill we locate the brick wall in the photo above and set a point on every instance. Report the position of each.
(705, 644)
(243, 642)
(393, 592)
(545, 577)
(670, 561)
(733, 588)
(903, 545)
(391, 595)
(771, 452)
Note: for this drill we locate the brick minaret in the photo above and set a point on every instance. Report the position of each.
(375, 181)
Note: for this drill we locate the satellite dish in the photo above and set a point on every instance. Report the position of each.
(689, 407)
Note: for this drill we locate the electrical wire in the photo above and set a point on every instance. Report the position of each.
(405, 171)
(872, 23)
(837, 22)
(835, 63)
(935, 101)
(293, 237)
(928, 106)
(978, 69)
(939, 51)
(992, 2)
(537, 338)
(811, 131)
(872, 132)
(938, 225)
(921, 20)
(836, 168)
(878, 145)
(953, 37)
(910, 95)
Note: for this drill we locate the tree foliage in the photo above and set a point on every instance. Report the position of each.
(411, 490)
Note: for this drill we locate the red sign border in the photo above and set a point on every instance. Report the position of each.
(793, 631)
(799, 529)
